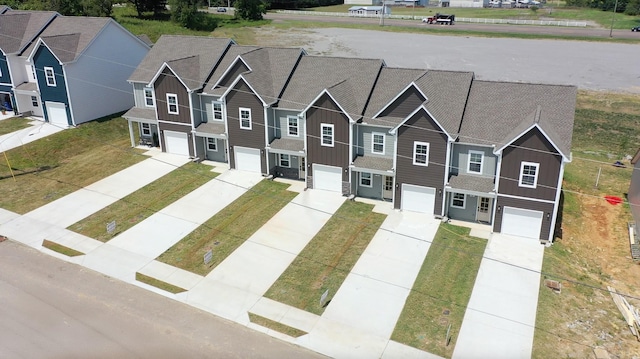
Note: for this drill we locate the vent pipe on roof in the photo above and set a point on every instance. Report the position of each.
(537, 118)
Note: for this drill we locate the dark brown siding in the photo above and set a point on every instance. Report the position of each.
(532, 147)
(421, 128)
(177, 128)
(168, 83)
(326, 111)
(242, 96)
(236, 70)
(405, 104)
(546, 208)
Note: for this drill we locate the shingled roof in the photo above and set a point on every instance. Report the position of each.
(348, 80)
(4, 8)
(497, 112)
(191, 57)
(226, 61)
(18, 29)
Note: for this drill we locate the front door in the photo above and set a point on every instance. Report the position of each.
(302, 166)
(387, 191)
(484, 210)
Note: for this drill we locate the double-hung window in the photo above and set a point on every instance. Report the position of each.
(148, 97)
(365, 179)
(146, 130)
(292, 126)
(475, 162)
(34, 101)
(212, 144)
(457, 200)
(50, 76)
(217, 111)
(245, 118)
(377, 143)
(284, 160)
(529, 174)
(172, 104)
(326, 130)
(420, 153)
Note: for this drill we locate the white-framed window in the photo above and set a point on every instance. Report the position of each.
(33, 72)
(217, 110)
(245, 118)
(292, 126)
(148, 97)
(284, 160)
(145, 129)
(172, 104)
(50, 76)
(529, 174)
(420, 153)
(326, 129)
(458, 200)
(377, 143)
(475, 162)
(34, 101)
(366, 179)
(212, 144)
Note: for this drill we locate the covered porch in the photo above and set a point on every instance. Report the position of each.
(211, 141)
(373, 177)
(27, 100)
(470, 199)
(145, 119)
(287, 158)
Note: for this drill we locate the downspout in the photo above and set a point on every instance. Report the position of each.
(266, 137)
(556, 205)
(495, 205)
(193, 128)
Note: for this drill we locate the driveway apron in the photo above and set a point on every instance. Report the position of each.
(38, 130)
(237, 283)
(500, 318)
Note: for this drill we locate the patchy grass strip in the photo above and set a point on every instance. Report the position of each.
(441, 291)
(229, 228)
(327, 260)
(144, 202)
(13, 124)
(61, 249)
(278, 327)
(159, 284)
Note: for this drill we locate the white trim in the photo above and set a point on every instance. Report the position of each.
(419, 143)
(373, 143)
(398, 96)
(322, 127)
(554, 217)
(240, 110)
(153, 96)
(142, 129)
(351, 120)
(500, 149)
(223, 97)
(464, 200)
(226, 72)
(159, 72)
(214, 143)
(35, 103)
(213, 110)
(525, 198)
(469, 161)
(177, 111)
(370, 179)
(395, 129)
(47, 77)
(297, 126)
(535, 175)
(280, 156)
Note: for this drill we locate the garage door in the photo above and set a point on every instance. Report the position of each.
(327, 178)
(57, 114)
(521, 222)
(248, 159)
(418, 198)
(176, 143)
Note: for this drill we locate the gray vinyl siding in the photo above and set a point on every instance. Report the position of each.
(634, 194)
(237, 69)
(176, 127)
(326, 111)
(364, 138)
(404, 104)
(283, 125)
(291, 172)
(241, 96)
(270, 124)
(138, 95)
(467, 214)
(168, 83)
(206, 112)
(375, 191)
(420, 127)
(205, 154)
(460, 160)
(531, 147)
(196, 109)
(546, 208)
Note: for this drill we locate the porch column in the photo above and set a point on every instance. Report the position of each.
(133, 142)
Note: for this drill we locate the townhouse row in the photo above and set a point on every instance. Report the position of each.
(436, 142)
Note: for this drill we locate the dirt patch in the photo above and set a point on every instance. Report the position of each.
(312, 41)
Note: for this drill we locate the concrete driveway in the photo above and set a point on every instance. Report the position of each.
(38, 130)
(501, 315)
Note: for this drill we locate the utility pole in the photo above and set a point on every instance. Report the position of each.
(382, 14)
(615, 8)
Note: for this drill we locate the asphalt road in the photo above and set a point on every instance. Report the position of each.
(53, 309)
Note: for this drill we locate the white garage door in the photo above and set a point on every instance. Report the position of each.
(521, 222)
(328, 178)
(176, 143)
(57, 114)
(418, 198)
(247, 159)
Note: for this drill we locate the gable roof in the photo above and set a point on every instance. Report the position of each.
(497, 113)
(4, 8)
(200, 52)
(348, 80)
(18, 29)
(229, 57)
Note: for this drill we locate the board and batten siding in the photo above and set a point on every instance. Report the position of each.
(138, 95)
(544, 207)
(166, 83)
(420, 127)
(324, 110)
(460, 160)
(5, 78)
(242, 96)
(44, 58)
(405, 104)
(531, 147)
(363, 142)
(177, 127)
(206, 112)
(235, 71)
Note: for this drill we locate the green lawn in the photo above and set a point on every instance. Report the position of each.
(144, 202)
(229, 228)
(159, 284)
(327, 260)
(13, 124)
(57, 165)
(441, 291)
(61, 249)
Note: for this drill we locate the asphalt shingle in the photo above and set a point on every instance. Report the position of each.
(20, 28)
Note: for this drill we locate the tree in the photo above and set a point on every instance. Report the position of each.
(184, 12)
(250, 9)
(633, 8)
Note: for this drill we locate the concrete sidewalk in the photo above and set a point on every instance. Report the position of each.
(82, 203)
(38, 130)
(501, 315)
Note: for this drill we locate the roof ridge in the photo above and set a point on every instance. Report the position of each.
(522, 83)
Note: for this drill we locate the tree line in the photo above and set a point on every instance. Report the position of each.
(628, 7)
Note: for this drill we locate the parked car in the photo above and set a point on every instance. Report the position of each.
(635, 29)
(221, 9)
